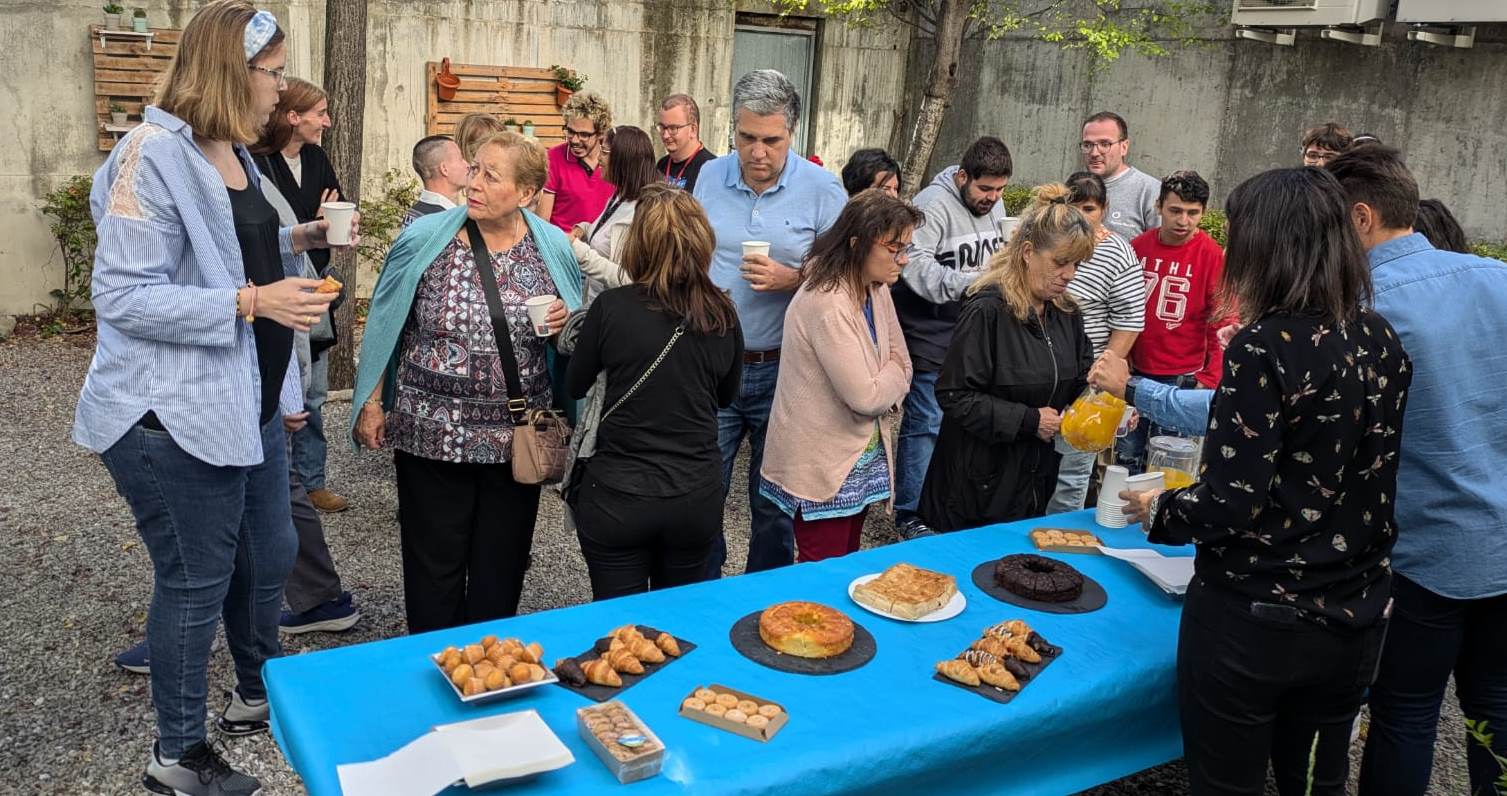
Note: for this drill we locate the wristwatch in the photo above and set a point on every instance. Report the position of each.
(1130, 390)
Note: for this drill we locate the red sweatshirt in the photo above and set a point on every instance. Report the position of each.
(1181, 286)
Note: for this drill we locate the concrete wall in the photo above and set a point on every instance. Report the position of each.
(1231, 109)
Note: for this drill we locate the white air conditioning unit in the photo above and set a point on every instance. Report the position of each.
(1308, 13)
(1451, 11)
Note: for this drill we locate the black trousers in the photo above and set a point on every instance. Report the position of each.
(466, 532)
(314, 580)
(633, 543)
(1254, 684)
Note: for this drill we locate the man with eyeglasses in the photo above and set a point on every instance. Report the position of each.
(1131, 205)
(1324, 143)
(576, 190)
(963, 214)
(679, 129)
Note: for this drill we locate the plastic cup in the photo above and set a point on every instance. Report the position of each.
(1007, 227)
(1114, 482)
(340, 215)
(755, 247)
(1110, 512)
(538, 310)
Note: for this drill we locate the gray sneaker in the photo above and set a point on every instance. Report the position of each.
(243, 718)
(912, 528)
(201, 772)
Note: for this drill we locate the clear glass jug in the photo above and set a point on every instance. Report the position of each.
(1176, 458)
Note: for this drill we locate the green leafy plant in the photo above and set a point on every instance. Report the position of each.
(1496, 251)
(140, 13)
(72, 227)
(114, 8)
(1213, 222)
(382, 217)
(1478, 733)
(511, 122)
(116, 107)
(1016, 198)
(568, 77)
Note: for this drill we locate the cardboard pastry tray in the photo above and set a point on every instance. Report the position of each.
(1062, 548)
(735, 727)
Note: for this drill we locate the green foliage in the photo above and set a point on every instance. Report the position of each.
(1478, 733)
(1016, 199)
(73, 228)
(114, 8)
(382, 217)
(568, 77)
(1496, 251)
(1213, 223)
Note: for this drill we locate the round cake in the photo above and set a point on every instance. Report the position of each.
(1038, 578)
(806, 630)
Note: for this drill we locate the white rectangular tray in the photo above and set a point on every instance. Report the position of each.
(1171, 574)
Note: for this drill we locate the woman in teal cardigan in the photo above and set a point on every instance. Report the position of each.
(430, 386)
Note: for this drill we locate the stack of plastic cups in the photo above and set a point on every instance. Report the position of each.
(1111, 509)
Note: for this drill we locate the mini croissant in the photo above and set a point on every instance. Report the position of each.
(997, 675)
(959, 671)
(646, 651)
(601, 672)
(1019, 648)
(623, 661)
(667, 642)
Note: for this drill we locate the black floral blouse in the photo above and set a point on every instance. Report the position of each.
(1299, 469)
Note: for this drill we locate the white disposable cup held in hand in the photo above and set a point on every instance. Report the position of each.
(538, 310)
(1114, 482)
(755, 247)
(340, 215)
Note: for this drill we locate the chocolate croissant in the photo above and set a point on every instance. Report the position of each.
(667, 642)
(606, 644)
(623, 661)
(1017, 668)
(978, 658)
(601, 672)
(959, 671)
(993, 646)
(646, 651)
(997, 675)
(1043, 646)
(569, 671)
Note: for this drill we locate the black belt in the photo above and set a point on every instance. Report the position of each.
(760, 357)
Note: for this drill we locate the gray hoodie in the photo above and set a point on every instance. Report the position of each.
(951, 247)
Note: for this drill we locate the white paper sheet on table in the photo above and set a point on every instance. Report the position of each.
(1170, 573)
(477, 752)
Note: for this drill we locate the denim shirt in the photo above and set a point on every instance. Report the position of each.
(166, 271)
(1167, 405)
(1450, 310)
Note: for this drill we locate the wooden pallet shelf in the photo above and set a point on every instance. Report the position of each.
(516, 92)
(127, 66)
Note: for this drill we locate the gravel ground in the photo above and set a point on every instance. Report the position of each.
(77, 584)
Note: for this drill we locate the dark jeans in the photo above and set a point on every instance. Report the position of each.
(313, 581)
(221, 543)
(920, 422)
(1431, 638)
(633, 543)
(771, 540)
(466, 532)
(1130, 450)
(1254, 687)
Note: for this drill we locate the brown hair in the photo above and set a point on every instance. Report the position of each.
(588, 105)
(692, 110)
(208, 84)
(1048, 222)
(669, 257)
(1330, 135)
(299, 97)
(630, 166)
(837, 255)
(530, 163)
(1374, 174)
(472, 129)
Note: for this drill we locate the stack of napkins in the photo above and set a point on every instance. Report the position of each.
(475, 752)
(1170, 573)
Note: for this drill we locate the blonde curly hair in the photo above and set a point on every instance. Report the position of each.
(588, 105)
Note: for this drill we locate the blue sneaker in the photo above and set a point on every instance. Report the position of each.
(335, 616)
(134, 660)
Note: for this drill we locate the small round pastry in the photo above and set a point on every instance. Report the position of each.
(693, 703)
(736, 715)
(473, 686)
(536, 672)
(706, 695)
(474, 653)
(748, 706)
(769, 711)
(716, 709)
(806, 629)
(496, 680)
(483, 668)
(758, 722)
(460, 674)
(727, 701)
(487, 642)
(519, 673)
(451, 659)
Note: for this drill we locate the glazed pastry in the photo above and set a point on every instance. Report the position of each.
(474, 653)
(1017, 668)
(1043, 646)
(460, 674)
(758, 722)
(473, 686)
(998, 631)
(997, 675)
(488, 641)
(495, 680)
(692, 703)
(733, 714)
(644, 650)
(748, 706)
(1020, 649)
(601, 672)
(535, 672)
(569, 671)
(769, 711)
(518, 673)
(959, 671)
(727, 701)
(978, 658)
(668, 644)
(706, 695)
(716, 709)
(993, 646)
(1018, 627)
(623, 661)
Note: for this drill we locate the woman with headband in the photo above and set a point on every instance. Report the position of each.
(194, 380)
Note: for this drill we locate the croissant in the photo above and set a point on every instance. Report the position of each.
(533, 653)
(1020, 649)
(667, 642)
(646, 651)
(999, 631)
(626, 634)
(959, 671)
(569, 671)
(606, 644)
(978, 658)
(601, 672)
(997, 675)
(993, 646)
(1018, 627)
(623, 661)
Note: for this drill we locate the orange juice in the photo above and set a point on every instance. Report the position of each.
(1090, 423)
(1173, 478)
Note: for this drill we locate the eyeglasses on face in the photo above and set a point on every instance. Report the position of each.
(574, 134)
(280, 75)
(670, 129)
(899, 249)
(1089, 146)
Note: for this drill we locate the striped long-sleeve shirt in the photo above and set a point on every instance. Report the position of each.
(1110, 291)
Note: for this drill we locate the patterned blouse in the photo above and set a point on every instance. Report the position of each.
(451, 402)
(1295, 494)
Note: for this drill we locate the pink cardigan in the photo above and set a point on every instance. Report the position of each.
(832, 386)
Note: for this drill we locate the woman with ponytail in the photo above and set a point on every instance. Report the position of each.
(1018, 357)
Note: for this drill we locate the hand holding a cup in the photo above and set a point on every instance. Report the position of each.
(336, 230)
(1138, 505)
(546, 314)
(764, 274)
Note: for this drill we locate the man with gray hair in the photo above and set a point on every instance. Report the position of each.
(679, 130)
(441, 167)
(767, 205)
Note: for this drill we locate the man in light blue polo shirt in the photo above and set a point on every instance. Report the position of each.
(761, 191)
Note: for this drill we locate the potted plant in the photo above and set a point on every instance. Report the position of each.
(528, 127)
(568, 83)
(139, 20)
(117, 114)
(112, 15)
(511, 125)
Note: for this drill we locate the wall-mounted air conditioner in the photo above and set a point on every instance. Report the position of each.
(1451, 11)
(1308, 13)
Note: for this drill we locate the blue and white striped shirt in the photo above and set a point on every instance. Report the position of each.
(166, 271)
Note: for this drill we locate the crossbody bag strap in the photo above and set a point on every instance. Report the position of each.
(679, 330)
(517, 404)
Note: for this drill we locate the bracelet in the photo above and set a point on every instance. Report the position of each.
(251, 310)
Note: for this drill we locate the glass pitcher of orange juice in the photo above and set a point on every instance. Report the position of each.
(1176, 458)
(1093, 421)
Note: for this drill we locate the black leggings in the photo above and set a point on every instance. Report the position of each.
(633, 543)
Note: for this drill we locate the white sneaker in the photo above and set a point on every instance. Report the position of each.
(241, 717)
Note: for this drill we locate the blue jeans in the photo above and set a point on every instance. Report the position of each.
(1072, 481)
(309, 442)
(919, 424)
(1130, 450)
(221, 542)
(771, 540)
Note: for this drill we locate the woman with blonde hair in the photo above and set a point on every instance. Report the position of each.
(662, 355)
(1018, 358)
(474, 128)
(844, 368)
(194, 381)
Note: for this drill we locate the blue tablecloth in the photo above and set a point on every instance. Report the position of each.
(1105, 709)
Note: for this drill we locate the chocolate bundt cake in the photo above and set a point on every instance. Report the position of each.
(1038, 578)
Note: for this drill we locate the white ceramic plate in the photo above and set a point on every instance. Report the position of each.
(501, 693)
(953, 607)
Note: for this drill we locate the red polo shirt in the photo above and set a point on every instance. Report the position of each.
(579, 195)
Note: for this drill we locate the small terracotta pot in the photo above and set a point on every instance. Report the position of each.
(447, 82)
(562, 95)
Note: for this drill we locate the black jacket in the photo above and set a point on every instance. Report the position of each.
(318, 177)
(989, 466)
